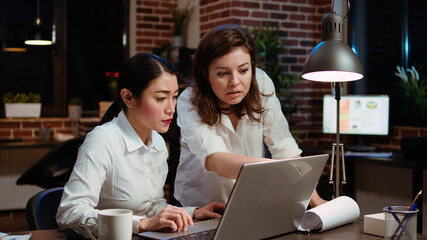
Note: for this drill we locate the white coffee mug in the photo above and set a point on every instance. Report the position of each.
(113, 224)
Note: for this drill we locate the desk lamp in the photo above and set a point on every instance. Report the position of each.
(38, 35)
(332, 60)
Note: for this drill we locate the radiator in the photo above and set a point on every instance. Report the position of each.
(14, 162)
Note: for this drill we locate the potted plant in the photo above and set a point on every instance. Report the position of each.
(267, 41)
(22, 105)
(75, 108)
(415, 89)
(180, 18)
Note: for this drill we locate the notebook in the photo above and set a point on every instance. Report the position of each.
(268, 199)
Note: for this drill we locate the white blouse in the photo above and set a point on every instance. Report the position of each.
(115, 169)
(194, 185)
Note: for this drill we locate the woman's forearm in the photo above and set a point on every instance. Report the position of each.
(227, 164)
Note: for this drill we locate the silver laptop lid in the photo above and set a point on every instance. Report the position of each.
(270, 198)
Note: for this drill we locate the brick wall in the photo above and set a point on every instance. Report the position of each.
(153, 24)
(29, 129)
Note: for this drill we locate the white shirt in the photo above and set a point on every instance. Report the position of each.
(194, 185)
(115, 169)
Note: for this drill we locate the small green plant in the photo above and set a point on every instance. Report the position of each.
(267, 40)
(10, 97)
(180, 18)
(75, 101)
(416, 90)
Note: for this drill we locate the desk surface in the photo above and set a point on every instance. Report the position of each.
(353, 231)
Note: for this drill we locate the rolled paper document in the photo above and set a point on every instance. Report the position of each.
(337, 212)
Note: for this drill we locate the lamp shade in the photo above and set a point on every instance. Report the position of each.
(38, 36)
(14, 44)
(332, 60)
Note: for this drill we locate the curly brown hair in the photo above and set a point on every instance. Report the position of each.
(218, 42)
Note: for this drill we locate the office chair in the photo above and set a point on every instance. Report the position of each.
(41, 209)
(55, 167)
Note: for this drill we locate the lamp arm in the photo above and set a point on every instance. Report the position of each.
(348, 7)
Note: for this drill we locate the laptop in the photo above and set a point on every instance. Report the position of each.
(268, 199)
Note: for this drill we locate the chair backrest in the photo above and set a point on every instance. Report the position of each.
(41, 209)
(55, 167)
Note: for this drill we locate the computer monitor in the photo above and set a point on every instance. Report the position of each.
(359, 114)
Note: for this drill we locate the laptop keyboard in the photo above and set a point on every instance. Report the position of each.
(207, 234)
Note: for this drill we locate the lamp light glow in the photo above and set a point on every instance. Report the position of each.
(332, 76)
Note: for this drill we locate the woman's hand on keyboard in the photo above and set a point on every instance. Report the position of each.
(170, 218)
(212, 210)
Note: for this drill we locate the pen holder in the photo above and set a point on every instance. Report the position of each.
(403, 225)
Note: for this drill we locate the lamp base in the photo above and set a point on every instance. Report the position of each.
(337, 184)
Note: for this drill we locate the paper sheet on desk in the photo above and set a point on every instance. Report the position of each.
(337, 212)
(6, 236)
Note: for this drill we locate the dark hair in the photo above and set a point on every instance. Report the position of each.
(218, 42)
(136, 75)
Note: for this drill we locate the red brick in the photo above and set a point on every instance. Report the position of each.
(270, 6)
(409, 133)
(167, 4)
(298, 51)
(290, 42)
(298, 1)
(289, 25)
(281, 16)
(52, 124)
(144, 41)
(304, 26)
(258, 14)
(66, 131)
(204, 18)
(31, 124)
(225, 13)
(150, 34)
(19, 133)
(239, 13)
(5, 133)
(160, 42)
(297, 34)
(289, 8)
(10, 125)
(297, 17)
(306, 9)
(144, 10)
(317, 19)
(215, 16)
(151, 19)
(236, 4)
(308, 43)
(250, 5)
(144, 25)
(166, 34)
(162, 11)
(151, 3)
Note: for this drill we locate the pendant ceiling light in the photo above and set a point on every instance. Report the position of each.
(38, 35)
(14, 45)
